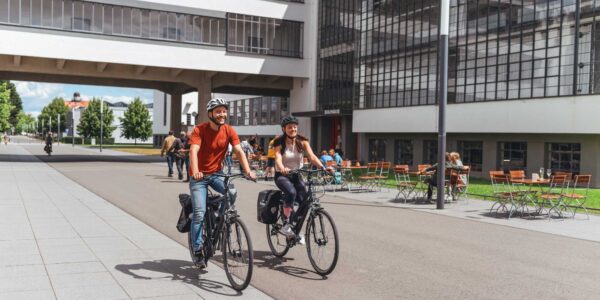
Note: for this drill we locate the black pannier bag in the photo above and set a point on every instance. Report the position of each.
(267, 206)
(184, 222)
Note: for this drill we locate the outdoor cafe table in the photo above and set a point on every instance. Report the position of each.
(528, 195)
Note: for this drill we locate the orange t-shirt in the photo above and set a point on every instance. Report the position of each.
(213, 146)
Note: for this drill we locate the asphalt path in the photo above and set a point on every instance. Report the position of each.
(385, 252)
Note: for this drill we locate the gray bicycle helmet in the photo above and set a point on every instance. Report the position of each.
(289, 120)
(216, 102)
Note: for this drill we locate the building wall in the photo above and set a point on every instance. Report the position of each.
(576, 114)
(536, 148)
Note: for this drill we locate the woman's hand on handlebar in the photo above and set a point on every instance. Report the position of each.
(285, 171)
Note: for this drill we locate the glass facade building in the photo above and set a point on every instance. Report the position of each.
(383, 53)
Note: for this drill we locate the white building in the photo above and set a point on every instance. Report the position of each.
(118, 110)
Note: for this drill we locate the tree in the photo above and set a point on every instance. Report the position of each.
(51, 112)
(89, 123)
(15, 101)
(25, 122)
(136, 123)
(5, 107)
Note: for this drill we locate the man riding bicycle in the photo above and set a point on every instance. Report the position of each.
(290, 148)
(209, 143)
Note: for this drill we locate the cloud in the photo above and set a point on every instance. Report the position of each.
(39, 90)
(36, 95)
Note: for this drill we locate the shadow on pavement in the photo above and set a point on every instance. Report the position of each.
(264, 259)
(178, 270)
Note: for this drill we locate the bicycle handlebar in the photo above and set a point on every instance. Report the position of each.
(231, 176)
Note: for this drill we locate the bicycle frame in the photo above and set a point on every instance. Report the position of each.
(313, 204)
(225, 212)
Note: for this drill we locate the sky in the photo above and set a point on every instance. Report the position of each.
(36, 95)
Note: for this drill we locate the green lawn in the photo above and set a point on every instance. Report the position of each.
(481, 188)
(145, 149)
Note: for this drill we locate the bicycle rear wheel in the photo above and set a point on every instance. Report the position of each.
(322, 242)
(237, 254)
(277, 241)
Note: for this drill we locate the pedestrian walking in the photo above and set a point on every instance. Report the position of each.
(166, 147)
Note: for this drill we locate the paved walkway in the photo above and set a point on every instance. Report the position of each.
(60, 241)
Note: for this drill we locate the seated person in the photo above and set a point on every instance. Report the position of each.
(432, 180)
(336, 156)
(325, 157)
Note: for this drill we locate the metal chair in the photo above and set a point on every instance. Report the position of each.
(405, 186)
(553, 195)
(459, 183)
(576, 197)
(384, 174)
(368, 179)
(503, 194)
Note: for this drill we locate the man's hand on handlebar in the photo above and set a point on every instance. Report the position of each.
(251, 175)
(198, 176)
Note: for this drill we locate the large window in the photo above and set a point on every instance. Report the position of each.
(512, 156)
(430, 150)
(403, 152)
(377, 150)
(471, 154)
(564, 157)
(387, 51)
(247, 34)
(261, 35)
(262, 111)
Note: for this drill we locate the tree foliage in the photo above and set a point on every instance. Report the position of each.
(136, 123)
(15, 102)
(25, 122)
(89, 123)
(5, 107)
(50, 114)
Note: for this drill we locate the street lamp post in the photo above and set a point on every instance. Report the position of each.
(101, 122)
(442, 99)
(74, 101)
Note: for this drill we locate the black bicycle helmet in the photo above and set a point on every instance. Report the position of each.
(289, 120)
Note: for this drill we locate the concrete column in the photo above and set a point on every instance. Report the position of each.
(536, 153)
(175, 123)
(204, 95)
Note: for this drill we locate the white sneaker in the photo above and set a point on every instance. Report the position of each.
(287, 230)
(301, 239)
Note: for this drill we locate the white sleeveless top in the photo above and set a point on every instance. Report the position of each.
(291, 158)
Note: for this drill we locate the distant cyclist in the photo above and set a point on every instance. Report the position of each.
(209, 143)
(290, 149)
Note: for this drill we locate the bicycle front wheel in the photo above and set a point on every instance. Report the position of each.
(322, 242)
(237, 254)
(277, 241)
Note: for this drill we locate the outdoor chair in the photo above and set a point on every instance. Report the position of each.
(503, 194)
(552, 196)
(383, 175)
(367, 180)
(459, 183)
(421, 188)
(576, 197)
(405, 186)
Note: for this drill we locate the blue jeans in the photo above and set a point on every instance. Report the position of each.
(199, 192)
(170, 159)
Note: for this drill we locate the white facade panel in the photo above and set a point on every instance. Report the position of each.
(110, 49)
(552, 115)
(266, 130)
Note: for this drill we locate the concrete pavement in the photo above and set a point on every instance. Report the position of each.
(58, 240)
(386, 251)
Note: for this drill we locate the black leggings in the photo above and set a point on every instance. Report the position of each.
(293, 186)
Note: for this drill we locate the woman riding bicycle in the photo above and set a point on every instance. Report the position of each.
(290, 148)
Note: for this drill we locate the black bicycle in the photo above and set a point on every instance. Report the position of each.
(224, 230)
(322, 243)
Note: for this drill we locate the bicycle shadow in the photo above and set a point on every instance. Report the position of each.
(265, 259)
(178, 270)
